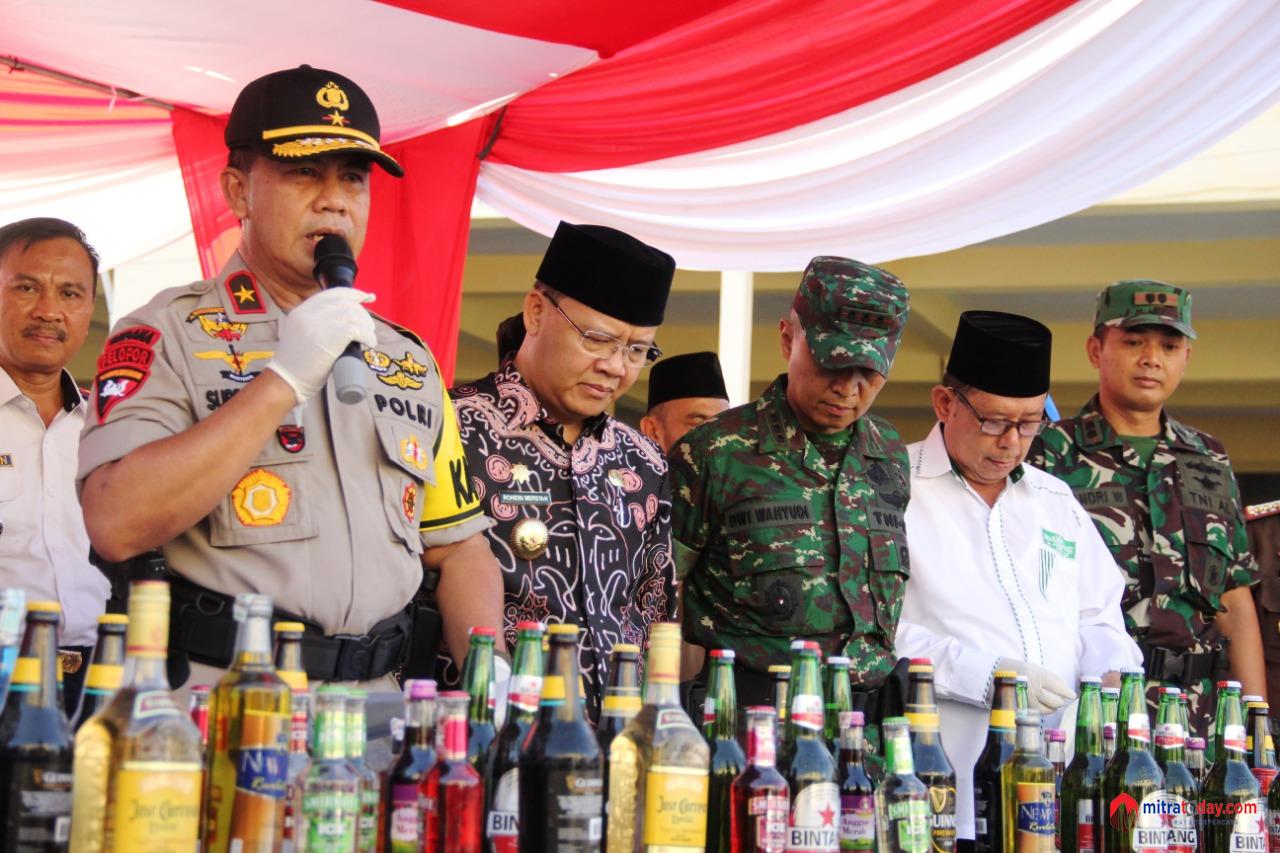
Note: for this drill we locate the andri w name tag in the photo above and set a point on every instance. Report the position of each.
(758, 514)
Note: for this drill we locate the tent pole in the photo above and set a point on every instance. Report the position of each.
(15, 64)
(736, 325)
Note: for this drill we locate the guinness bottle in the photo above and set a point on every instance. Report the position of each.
(932, 766)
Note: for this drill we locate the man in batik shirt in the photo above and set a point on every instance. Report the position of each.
(582, 509)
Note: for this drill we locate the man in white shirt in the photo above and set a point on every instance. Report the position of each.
(48, 280)
(1007, 569)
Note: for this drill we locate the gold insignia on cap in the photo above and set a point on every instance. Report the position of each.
(331, 97)
(1155, 297)
(529, 538)
(261, 499)
(337, 119)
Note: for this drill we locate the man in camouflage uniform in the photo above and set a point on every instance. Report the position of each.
(787, 512)
(1164, 498)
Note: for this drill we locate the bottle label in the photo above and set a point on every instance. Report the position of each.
(368, 814)
(1151, 830)
(675, 806)
(673, 718)
(1182, 835)
(524, 691)
(1034, 824)
(857, 822)
(806, 711)
(40, 802)
(906, 826)
(262, 770)
(942, 818)
(1170, 735)
(1273, 821)
(502, 826)
(330, 817)
(1140, 728)
(155, 703)
(1233, 738)
(1265, 776)
(815, 815)
(157, 806)
(769, 810)
(1086, 836)
(574, 801)
(709, 711)
(405, 834)
(1249, 828)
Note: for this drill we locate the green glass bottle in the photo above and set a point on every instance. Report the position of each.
(932, 766)
(370, 784)
(1027, 790)
(1235, 812)
(1132, 784)
(331, 792)
(720, 728)
(837, 691)
(1182, 792)
(477, 680)
(1110, 704)
(902, 800)
(808, 766)
(1080, 781)
(988, 803)
(1022, 695)
(502, 767)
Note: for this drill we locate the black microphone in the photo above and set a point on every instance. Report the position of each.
(335, 267)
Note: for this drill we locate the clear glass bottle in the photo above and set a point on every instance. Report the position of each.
(331, 793)
(459, 788)
(370, 784)
(1028, 791)
(902, 800)
(857, 791)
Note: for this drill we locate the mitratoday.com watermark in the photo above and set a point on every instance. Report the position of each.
(1160, 809)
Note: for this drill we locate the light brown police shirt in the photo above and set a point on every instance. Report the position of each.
(332, 517)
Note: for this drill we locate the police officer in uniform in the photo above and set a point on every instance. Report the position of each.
(684, 391)
(1164, 498)
(216, 435)
(787, 514)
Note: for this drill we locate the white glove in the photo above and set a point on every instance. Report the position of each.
(1046, 690)
(499, 689)
(315, 333)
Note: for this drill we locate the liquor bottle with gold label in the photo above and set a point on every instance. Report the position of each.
(35, 742)
(1260, 751)
(1028, 791)
(137, 765)
(658, 766)
(289, 666)
(250, 715)
(106, 667)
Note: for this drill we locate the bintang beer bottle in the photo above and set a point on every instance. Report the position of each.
(250, 713)
(838, 693)
(1235, 813)
(1182, 793)
(477, 680)
(720, 724)
(137, 766)
(988, 811)
(405, 816)
(932, 766)
(1260, 750)
(370, 785)
(1028, 791)
(902, 800)
(622, 701)
(857, 800)
(760, 801)
(561, 770)
(288, 663)
(459, 789)
(35, 742)
(502, 773)
(1132, 801)
(658, 766)
(106, 668)
(331, 793)
(808, 765)
(1080, 781)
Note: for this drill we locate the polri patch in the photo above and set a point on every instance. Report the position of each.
(124, 366)
(242, 290)
(261, 499)
(753, 515)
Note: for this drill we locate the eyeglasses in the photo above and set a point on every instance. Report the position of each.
(999, 426)
(604, 345)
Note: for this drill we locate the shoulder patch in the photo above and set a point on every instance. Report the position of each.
(124, 366)
(404, 330)
(1263, 510)
(243, 294)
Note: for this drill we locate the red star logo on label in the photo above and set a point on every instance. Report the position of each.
(337, 119)
(828, 816)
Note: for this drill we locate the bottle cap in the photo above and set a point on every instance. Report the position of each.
(838, 661)
(725, 654)
(1195, 743)
(563, 629)
(420, 688)
(852, 718)
(779, 669)
(44, 607)
(921, 662)
(1056, 736)
(294, 627)
(1005, 673)
(626, 648)
(1090, 679)
(529, 626)
(483, 631)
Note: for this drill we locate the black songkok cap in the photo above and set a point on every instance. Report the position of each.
(610, 271)
(1002, 354)
(695, 374)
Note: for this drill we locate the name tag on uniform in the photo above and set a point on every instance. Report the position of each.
(525, 498)
(1111, 495)
(758, 514)
(883, 518)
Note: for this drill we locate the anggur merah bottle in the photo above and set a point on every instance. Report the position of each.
(659, 765)
(106, 667)
(720, 727)
(902, 800)
(932, 767)
(988, 803)
(137, 777)
(808, 766)
(331, 792)
(35, 741)
(1133, 784)
(1235, 812)
(502, 769)
(459, 788)
(857, 791)
(1078, 819)
(1028, 791)
(760, 798)
(1181, 790)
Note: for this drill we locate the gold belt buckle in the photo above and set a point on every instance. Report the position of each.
(70, 661)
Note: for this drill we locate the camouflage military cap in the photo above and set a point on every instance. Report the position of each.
(1143, 302)
(852, 313)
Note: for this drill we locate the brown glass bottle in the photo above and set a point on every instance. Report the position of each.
(932, 767)
(988, 811)
(106, 667)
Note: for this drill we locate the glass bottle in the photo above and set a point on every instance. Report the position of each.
(1078, 821)
(837, 691)
(902, 800)
(988, 811)
(502, 774)
(561, 769)
(1110, 705)
(622, 701)
(299, 765)
(1229, 786)
(405, 816)
(288, 655)
(1260, 751)
(857, 791)
(250, 714)
(106, 667)
(1022, 695)
(370, 784)
(138, 760)
(1182, 792)
(727, 757)
(331, 793)
(1055, 751)
(459, 789)
(780, 676)
(477, 680)
(35, 741)
(13, 610)
(1027, 785)
(808, 765)
(760, 798)
(1132, 784)
(659, 765)
(198, 709)
(1195, 759)
(932, 767)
